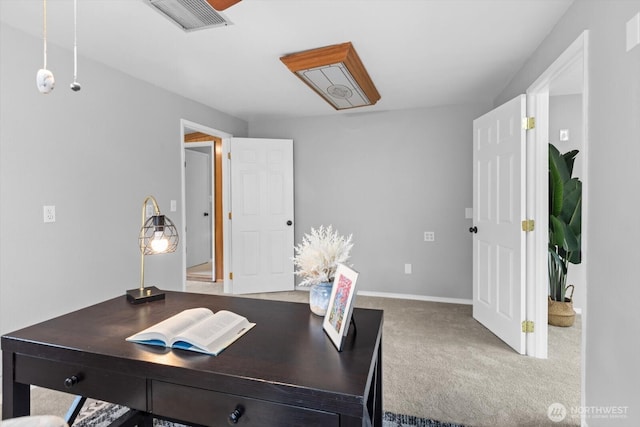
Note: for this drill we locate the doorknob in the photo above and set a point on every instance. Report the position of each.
(473, 229)
(206, 214)
(289, 222)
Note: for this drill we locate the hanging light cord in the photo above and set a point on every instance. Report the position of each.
(75, 40)
(44, 30)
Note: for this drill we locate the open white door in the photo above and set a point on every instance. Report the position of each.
(499, 206)
(198, 200)
(261, 215)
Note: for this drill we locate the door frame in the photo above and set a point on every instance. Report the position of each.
(538, 193)
(186, 124)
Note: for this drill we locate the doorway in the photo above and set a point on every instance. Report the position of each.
(197, 141)
(266, 250)
(564, 82)
(516, 299)
(199, 198)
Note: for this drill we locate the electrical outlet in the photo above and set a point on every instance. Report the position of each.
(49, 213)
(429, 236)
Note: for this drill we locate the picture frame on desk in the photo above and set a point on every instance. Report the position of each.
(338, 317)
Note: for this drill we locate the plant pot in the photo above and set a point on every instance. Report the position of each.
(562, 313)
(319, 295)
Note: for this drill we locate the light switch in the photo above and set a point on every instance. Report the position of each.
(173, 206)
(407, 269)
(564, 134)
(468, 213)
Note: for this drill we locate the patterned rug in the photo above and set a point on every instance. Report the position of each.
(101, 414)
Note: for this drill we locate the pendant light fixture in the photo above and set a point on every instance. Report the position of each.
(75, 86)
(44, 77)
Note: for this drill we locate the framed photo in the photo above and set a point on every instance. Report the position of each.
(338, 317)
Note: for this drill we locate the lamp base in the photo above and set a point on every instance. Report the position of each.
(146, 294)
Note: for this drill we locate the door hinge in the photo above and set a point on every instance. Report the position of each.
(528, 225)
(527, 326)
(528, 123)
(229, 155)
(231, 276)
(229, 215)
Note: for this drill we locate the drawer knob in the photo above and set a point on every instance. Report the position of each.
(71, 381)
(234, 416)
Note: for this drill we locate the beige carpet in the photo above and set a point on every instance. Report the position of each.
(200, 272)
(439, 363)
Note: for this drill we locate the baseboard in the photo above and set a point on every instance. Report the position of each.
(416, 297)
(404, 296)
(427, 298)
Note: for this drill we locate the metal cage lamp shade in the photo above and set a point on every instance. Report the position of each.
(158, 235)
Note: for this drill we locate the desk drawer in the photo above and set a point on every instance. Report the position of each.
(91, 382)
(210, 408)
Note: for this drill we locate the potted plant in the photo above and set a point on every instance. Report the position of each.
(565, 230)
(316, 259)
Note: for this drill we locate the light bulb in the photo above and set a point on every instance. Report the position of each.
(159, 243)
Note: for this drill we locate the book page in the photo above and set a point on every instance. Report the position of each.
(213, 334)
(172, 326)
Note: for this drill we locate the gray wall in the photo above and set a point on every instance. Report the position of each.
(95, 155)
(612, 313)
(387, 178)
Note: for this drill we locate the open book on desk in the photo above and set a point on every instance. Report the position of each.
(196, 329)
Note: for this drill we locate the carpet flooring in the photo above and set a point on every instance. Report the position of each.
(200, 272)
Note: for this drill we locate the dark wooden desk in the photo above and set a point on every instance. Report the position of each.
(284, 372)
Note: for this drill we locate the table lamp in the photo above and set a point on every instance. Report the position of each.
(158, 235)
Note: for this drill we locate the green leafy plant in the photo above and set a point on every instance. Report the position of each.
(565, 220)
(317, 257)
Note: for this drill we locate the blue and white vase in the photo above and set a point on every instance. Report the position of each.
(319, 297)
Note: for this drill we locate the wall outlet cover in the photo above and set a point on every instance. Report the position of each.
(49, 212)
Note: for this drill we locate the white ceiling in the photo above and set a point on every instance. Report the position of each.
(419, 53)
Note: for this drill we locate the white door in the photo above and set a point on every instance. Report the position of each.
(198, 207)
(261, 215)
(499, 206)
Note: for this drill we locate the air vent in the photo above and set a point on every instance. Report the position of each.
(190, 15)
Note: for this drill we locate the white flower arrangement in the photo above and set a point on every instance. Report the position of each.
(319, 254)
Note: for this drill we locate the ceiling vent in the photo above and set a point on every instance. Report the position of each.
(190, 15)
